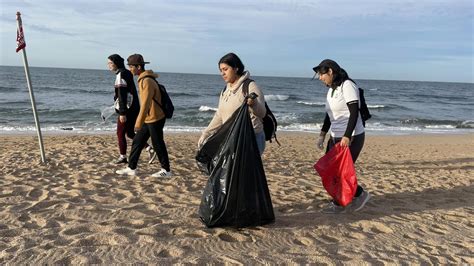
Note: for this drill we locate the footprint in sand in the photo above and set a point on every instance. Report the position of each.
(130, 234)
(410, 236)
(376, 227)
(170, 252)
(329, 240)
(233, 237)
(197, 234)
(355, 235)
(76, 230)
(303, 241)
(61, 242)
(24, 217)
(11, 233)
(37, 194)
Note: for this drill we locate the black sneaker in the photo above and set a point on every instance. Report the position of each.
(121, 160)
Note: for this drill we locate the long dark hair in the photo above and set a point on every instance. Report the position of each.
(118, 60)
(233, 61)
(339, 74)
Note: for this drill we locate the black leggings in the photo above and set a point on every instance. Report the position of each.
(356, 146)
(155, 131)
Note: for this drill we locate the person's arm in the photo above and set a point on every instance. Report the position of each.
(324, 131)
(122, 95)
(122, 89)
(353, 115)
(326, 124)
(257, 106)
(146, 97)
(350, 93)
(213, 126)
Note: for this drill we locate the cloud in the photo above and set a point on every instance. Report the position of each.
(44, 29)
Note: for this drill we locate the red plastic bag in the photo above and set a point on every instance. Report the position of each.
(338, 174)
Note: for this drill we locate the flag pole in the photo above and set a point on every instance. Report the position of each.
(21, 46)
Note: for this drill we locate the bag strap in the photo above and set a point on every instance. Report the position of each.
(158, 84)
(245, 87)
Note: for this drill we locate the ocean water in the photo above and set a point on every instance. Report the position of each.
(74, 100)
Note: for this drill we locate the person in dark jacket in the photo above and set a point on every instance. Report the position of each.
(126, 103)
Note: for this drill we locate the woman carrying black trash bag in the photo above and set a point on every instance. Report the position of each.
(233, 72)
(344, 120)
(236, 193)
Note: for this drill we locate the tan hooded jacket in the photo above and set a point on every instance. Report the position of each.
(230, 101)
(148, 91)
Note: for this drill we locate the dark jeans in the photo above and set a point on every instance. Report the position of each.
(155, 131)
(356, 147)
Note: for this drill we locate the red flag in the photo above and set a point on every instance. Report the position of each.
(20, 39)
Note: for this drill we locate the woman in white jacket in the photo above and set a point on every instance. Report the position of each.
(344, 122)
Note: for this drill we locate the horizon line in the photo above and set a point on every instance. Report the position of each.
(269, 76)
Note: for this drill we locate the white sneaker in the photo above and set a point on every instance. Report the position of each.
(126, 171)
(162, 173)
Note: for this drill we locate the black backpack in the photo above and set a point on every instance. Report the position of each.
(269, 121)
(364, 110)
(167, 105)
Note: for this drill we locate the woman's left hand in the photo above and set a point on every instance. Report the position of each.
(345, 142)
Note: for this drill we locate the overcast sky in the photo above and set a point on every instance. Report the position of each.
(427, 40)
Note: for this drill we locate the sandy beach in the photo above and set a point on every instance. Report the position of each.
(75, 209)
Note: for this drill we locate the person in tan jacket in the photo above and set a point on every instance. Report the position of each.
(233, 73)
(150, 121)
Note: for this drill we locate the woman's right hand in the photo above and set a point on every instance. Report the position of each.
(320, 143)
(345, 142)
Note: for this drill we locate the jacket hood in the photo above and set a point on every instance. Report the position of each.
(239, 82)
(148, 73)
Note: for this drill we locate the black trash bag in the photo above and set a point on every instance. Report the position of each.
(236, 193)
(213, 143)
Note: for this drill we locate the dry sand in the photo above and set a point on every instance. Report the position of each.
(75, 209)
